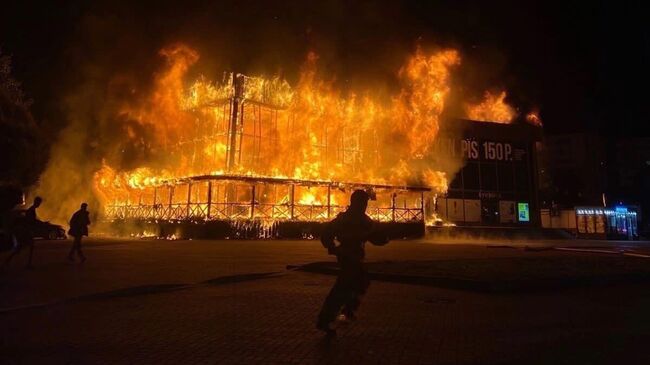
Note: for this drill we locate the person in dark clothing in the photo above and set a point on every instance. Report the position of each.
(79, 228)
(30, 213)
(23, 227)
(351, 229)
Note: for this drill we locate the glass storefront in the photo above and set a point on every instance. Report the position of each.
(494, 186)
(606, 223)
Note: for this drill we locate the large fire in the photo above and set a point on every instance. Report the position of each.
(260, 147)
(307, 131)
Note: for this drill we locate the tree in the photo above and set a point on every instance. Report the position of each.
(22, 143)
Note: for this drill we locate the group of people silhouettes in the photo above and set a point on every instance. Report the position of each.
(22, 226)
(345, 237)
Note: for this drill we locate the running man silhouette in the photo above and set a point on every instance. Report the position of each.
(79, 228)
(351, 229)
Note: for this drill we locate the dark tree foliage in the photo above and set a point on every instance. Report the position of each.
(23, 148)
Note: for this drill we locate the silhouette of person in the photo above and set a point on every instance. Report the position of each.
(30, 213)
(78, 228)
(23, 229)
(351, 229)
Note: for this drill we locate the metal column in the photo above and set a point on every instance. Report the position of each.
(209, 199)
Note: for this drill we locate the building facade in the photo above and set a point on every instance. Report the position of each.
(497, 184)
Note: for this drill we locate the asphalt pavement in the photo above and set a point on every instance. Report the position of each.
(235, 302)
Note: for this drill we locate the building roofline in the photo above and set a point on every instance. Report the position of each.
(284, 180)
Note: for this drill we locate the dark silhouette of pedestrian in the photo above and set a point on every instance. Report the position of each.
(23, 227)
(351, 229)
(78, 228)
(30, 213)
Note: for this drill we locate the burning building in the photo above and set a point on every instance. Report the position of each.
(256, 149)
(258, 156)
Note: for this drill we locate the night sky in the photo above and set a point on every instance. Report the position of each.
(584, 66)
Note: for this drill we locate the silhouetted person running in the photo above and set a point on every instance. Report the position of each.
(78, 228)
(351, 229)
(23, 228)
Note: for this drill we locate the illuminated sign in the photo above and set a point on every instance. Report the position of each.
(523, 212)
(601, 211)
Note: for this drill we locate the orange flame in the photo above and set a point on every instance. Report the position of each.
(492, 109)
(309, 131)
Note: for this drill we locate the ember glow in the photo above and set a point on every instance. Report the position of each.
(534, 119)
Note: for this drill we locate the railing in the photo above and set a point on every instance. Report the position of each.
(238, 211)
(273, 211)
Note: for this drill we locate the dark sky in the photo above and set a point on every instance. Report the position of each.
(584, 66)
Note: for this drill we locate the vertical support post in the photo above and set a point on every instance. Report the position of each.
(139, 210)
(241, 136)
(252, 201)
(292, 201)
(171, 199)
(422, 204)
(209, 199)
(189, 198)
(392, 204)
(238, 85)
(329, 201)
(154, 209)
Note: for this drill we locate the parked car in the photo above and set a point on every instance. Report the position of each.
(44, 230)
(49, 231)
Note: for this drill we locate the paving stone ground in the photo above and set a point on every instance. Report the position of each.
(120, 308)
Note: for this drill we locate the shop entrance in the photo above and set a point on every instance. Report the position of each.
(490, 211)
